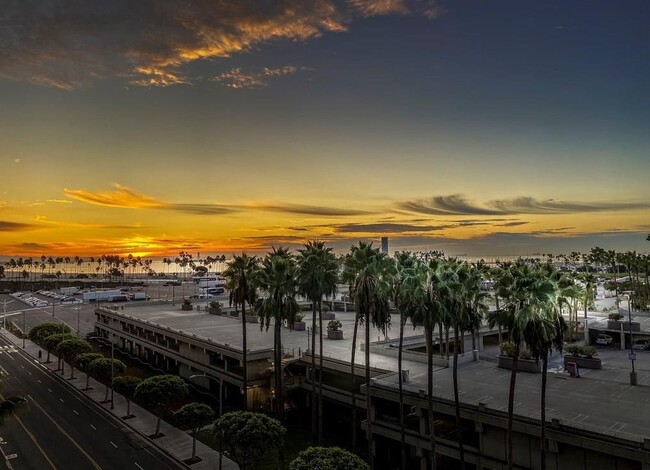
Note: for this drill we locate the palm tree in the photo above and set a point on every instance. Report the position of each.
(276, 278)
(528, 292)
(239, 275)
(371, 291)
(317, 276)
(408, 298)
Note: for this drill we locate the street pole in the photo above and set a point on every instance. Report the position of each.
(78, 309)
(24, 329)
(632, 355)
(112, 369)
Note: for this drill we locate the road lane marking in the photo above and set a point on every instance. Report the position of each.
(39, 381)
(22, 366)
(113, 444)
(75, 412)
(49, 390)
(94, 428)
(61, 400)
(62, 431)
(136, 464)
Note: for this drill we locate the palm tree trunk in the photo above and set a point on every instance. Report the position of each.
(158, 423)
(71, 371)
(432, 439)
(459, 431)
(511, 403)
(447, 342)
(354, 382)
(314, 406)
(106, 394)
(401, 393)
(320, 374)
(244, 355)
(193, 443)
(542, 443)
(440, 338)
(278, 383)
(371, 457)
(128, 407)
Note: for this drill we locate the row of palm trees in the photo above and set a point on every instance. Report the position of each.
(427, 290)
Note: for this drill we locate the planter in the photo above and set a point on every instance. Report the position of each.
(252, 319)
(187, 307)
(523, 365)
(299, 326)
(331, 334)
(584, 362)
(214, 311)
(328, 316)
(616, 325)
(234, 313)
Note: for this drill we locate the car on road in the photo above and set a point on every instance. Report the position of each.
(641, 344)
(604, 339)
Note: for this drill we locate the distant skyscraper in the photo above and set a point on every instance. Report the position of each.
(384, 245)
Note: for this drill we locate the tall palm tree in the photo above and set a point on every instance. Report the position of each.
(371, 291)
(403, 283)
(240, 275)
(317, 276)
(528, 293)
(276, 278)
(428, 316)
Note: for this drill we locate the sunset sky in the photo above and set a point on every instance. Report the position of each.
(478, 127)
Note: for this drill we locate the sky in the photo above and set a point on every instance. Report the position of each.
(480, 128)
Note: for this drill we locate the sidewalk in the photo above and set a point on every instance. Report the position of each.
(175, 442)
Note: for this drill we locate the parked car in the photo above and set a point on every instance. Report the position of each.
(604, 339)
(641, 344)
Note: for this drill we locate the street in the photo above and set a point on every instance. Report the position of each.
(61, 429)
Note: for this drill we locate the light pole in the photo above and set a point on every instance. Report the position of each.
(112, 369)
(220, 404)
(631, 355)
(78, 309)
(4, 317)
(24, 334)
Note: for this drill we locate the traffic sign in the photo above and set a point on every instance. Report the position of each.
(632, 356)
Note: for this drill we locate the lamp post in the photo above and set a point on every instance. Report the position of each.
(220, 404)
(4, 317)
(112, 369)
(24, 334)
(78, 309)
(631, 355)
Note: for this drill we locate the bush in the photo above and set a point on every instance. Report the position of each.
(525, 354)
(508, 348)
(327, 458)
(299, 317)
(615, 316)
(573, 350)
(334, 325)
(589, 352)
(215, 304)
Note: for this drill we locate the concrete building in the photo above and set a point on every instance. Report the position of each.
(597, 422)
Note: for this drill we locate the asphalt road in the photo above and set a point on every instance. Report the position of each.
(60, 429)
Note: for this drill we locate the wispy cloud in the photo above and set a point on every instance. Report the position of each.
(124, 197)
(457, 204)
(238, 79)
(387, 228)
(67, 44)
(7, 226)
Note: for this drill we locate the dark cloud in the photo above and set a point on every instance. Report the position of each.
(514, 223)
(304, 209)
(457, 204)
(6, 226)
(386, 228)
(69, 43)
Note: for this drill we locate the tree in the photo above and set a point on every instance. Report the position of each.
(276, 278)
(527, 293)
(83, 363)
(327, 458)
(126, 385)
(70, 349)
(317, 277)
(194, 416)
(38, 333)
(51, 343)
(161, 391)
(371, 292)
(247, 436)
(103, 369)
(240, 274)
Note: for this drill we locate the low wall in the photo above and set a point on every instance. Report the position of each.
(422, 357)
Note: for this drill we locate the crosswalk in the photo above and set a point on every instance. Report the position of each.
(8, 349)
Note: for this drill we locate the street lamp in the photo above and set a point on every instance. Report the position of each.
(112, 369)
(78, 309)
(4, 317)
(631, 355)
(220, 404)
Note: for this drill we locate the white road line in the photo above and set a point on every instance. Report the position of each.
(136, 464)
(22, 366)
(75, 412)
(49, 390)
(94, 428)
(29, 373)
(61, 400)
(113, 444)
(39, 381)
